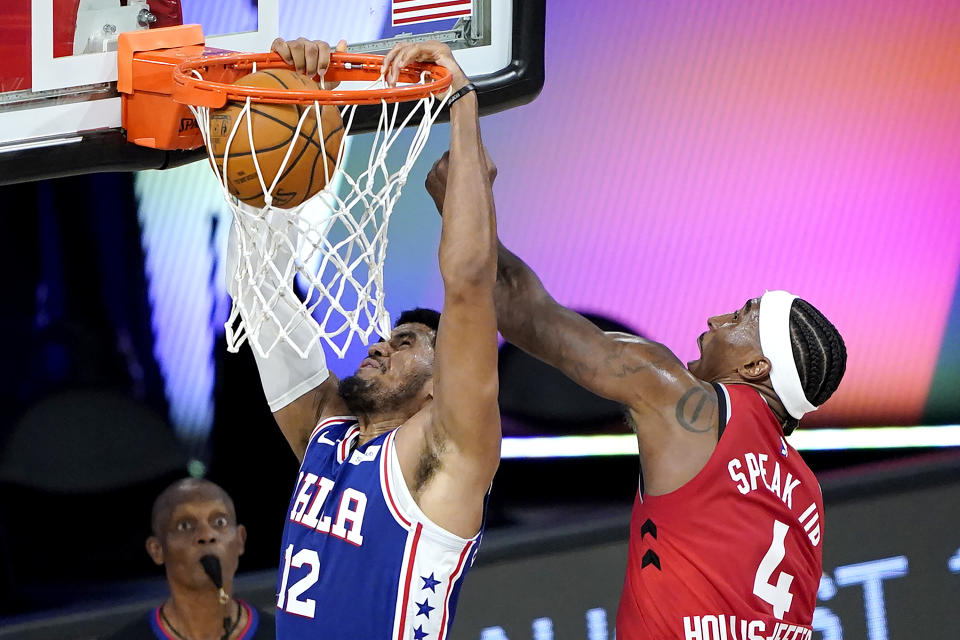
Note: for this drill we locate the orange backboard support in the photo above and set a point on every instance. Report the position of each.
(146, 60)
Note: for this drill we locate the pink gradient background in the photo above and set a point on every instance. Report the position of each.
(682, 159)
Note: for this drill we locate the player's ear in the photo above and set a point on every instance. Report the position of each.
(756, 370)
(155, 550)
(242, 537)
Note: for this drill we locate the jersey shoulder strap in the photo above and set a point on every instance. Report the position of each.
(723, 408)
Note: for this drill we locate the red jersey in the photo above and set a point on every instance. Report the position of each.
(736, 552)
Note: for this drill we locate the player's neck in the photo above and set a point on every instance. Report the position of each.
(767, 393)
(198, 615)
(376, 424)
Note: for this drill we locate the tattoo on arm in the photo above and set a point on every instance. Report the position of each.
(691, 407)
(620, 367)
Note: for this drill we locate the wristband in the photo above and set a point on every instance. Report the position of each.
(464, 90)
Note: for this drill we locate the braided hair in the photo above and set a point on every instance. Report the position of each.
(819, 352)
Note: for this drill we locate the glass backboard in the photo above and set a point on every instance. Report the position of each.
(58, 86)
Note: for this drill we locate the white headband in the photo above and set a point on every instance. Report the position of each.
(776, 347)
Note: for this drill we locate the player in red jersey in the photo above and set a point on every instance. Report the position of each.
(727, 528)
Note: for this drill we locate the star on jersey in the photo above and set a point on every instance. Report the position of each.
(429, 583)
(424, 608)
(419, 633)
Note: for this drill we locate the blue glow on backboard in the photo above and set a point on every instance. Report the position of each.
(222, 16)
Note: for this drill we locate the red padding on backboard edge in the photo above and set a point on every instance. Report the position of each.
(168, 13)
(64, 26)
(16, 72)
(16, 46)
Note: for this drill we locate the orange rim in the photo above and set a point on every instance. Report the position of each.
(188, 89)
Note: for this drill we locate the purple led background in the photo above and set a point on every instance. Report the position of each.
(681, 158)
(684, 158)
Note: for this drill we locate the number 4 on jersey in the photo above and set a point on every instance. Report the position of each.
(778, 595)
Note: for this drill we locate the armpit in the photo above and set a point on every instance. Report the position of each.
(427, 465)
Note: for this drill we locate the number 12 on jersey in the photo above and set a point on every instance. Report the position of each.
(778, 595)
(288, 600)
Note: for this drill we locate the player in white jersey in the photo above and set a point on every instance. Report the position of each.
(398, 458)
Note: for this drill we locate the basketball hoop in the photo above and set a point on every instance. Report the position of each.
(336, 242)
(190, 86)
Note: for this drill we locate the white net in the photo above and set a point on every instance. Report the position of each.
(332, 247)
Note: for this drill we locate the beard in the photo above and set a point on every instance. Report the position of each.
(359, 395)
(366, 397)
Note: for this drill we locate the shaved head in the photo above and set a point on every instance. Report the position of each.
(186, 490)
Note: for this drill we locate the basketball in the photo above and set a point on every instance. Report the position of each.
(274, 127)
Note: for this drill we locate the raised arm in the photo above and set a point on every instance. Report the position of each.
(609, 364)
(633, 371)
(640, 374)
(674, 413)
(463, 431)
(300, 391)
(465, 369)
